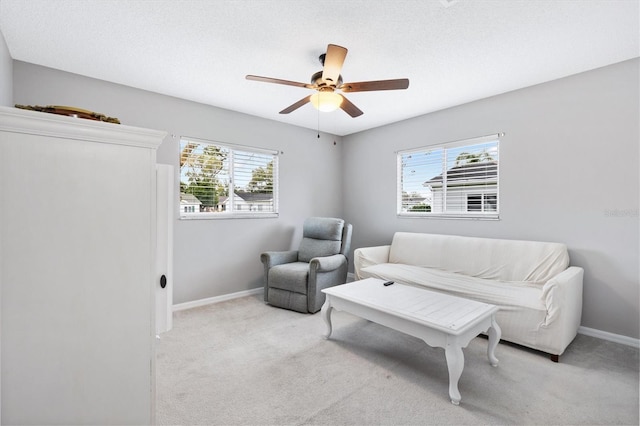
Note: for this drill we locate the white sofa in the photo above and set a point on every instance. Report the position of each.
(539, 294)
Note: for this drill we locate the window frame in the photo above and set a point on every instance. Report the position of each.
(489, 187)
(233, 151)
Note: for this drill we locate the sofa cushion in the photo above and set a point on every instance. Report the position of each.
(487, 258)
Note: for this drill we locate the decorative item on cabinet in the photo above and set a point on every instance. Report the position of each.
(71, 112)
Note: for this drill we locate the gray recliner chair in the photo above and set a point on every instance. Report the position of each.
(294, 279)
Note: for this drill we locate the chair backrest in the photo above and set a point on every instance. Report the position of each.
(346, 239)
(321, 236)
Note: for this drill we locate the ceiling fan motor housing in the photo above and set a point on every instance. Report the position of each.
(318, 81)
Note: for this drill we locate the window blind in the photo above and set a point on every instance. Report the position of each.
(457, 179)
(218, 180)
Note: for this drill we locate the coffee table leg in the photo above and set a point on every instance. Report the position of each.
(325, 312)
(455, 364)
(494, 337)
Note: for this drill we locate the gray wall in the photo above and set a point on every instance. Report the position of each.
(211, 257)
(568, 173)
(6, 74)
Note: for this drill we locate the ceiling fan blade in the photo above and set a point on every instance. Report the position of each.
(295, 106)
(350, 108)
(333, 61)
(279, 81)
(368, 86)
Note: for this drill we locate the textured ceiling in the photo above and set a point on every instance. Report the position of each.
(452, 51)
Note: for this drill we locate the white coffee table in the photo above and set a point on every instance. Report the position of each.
(439, 319)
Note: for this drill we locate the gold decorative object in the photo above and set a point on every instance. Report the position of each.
(70, 111)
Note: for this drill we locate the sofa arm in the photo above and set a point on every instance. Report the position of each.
(562, 295)
(369, 256)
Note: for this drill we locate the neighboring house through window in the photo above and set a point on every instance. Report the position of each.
(222, 180)
(189, 204)
(457, 179)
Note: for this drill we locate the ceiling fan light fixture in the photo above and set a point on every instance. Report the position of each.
(326, 101)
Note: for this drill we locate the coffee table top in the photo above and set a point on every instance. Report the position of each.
(441, 311)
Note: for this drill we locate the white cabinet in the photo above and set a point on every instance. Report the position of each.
(77, 270)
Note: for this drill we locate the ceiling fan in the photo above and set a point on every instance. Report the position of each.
(329, 80)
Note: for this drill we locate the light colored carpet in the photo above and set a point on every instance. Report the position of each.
(242, 362)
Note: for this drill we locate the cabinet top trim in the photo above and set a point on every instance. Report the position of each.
(39, 123)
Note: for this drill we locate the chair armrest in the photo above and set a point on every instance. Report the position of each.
(273, 258)
(369, 256)
(562, 295)
(327, 263)
(324, 272)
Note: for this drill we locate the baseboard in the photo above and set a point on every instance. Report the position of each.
(216, 299)
(211, 300)
(605, 335)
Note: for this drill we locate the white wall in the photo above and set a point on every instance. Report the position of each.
(212, 257)
(6, 74)
(568, 173)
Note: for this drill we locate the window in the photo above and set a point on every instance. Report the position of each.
(474, 202)
(482, 202)
(220, 180)
(456, 179)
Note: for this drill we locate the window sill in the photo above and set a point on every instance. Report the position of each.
(449, 216)
(218, 216)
